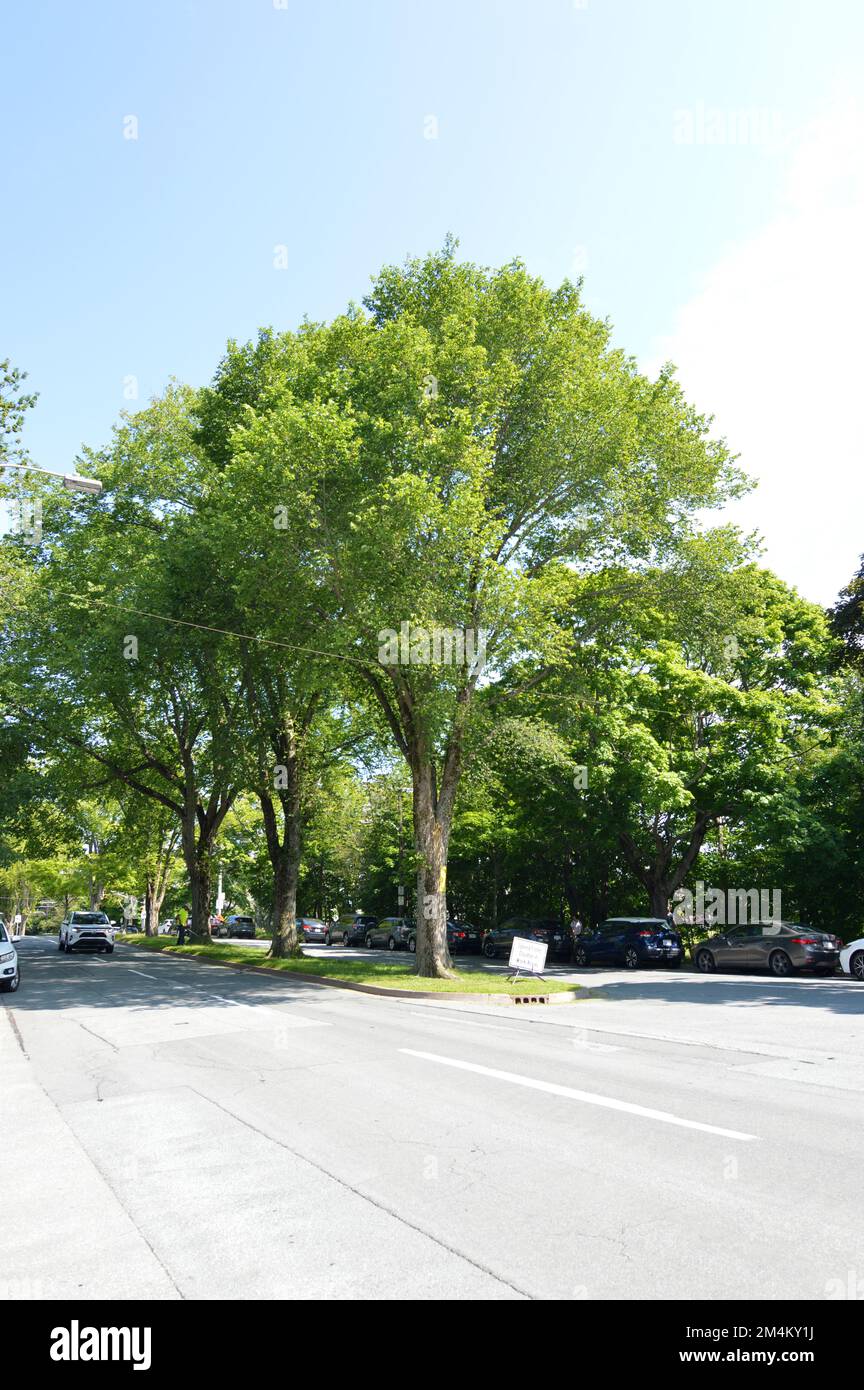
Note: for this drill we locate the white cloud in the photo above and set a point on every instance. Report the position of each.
(771, 346)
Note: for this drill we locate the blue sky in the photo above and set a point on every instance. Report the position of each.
(603, 139)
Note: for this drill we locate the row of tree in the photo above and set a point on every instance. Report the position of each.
(425, 591)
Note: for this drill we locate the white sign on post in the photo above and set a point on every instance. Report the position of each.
(528, 956)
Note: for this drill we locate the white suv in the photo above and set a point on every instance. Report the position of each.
(86, 931)
(10, 970)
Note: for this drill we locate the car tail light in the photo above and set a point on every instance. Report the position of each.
(461, 935)
(804, 941)
(646, 933)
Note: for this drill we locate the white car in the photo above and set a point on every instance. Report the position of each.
(86, 931)
(10, 969)
(852, 959)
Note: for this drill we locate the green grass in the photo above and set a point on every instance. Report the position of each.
(359, 972)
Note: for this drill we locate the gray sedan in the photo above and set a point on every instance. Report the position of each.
(781, 948)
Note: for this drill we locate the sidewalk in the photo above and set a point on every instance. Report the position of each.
(64, 1230)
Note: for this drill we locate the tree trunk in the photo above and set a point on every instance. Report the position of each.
(431, 840)
(285, 943)
(659, 897)
(284, 852)
(152, 904)
(570, 889)
(199, 878)
(197, 852)
(659, 878)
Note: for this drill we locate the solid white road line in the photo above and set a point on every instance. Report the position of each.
(607, 1102)
(141, 972)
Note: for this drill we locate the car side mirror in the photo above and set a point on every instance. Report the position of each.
(16, 939)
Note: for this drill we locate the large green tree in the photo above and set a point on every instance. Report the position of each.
(444, 457)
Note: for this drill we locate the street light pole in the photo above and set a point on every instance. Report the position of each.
(73, 481)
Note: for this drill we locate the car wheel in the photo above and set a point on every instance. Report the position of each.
(631, 958)
(780, 964)
(345, 941)
(10, 986)
(391, 943)
(109, 950)
(489, 950)
(412, 945)
(705, 962)
(676, 964)
(856, 966)
(580, 956)
(369, 946)
(59, 943)
(327, 938)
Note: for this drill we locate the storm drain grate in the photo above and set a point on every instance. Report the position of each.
(531, 999)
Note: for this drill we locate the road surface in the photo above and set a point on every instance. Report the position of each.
(173, 1129)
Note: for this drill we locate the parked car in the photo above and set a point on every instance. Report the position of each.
(86, 931)
(498, 940)
(631, 942)
(351, 928)
(10, 968)
(462, 938)
(237, 925)
(392, 932)
(852, 958)
(311, 930)
(782, 948)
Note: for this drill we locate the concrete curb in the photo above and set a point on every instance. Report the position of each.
(380, 991)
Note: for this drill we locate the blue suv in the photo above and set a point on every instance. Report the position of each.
(631, 942)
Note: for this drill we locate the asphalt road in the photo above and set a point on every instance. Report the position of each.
(174, 1129)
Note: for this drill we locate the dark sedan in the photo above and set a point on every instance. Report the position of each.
(462, 938)
(498, 940)
(783, 948)
(238, 925)
(631, 942)
(312, 931)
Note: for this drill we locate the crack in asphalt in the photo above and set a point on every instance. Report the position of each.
(13, 1022)
(366, 1197)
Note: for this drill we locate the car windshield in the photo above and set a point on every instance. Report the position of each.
(89, 919)
(3, 935)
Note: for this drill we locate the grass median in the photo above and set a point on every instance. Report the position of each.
(383, 974)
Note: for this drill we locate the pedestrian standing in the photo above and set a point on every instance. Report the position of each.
(182, 919)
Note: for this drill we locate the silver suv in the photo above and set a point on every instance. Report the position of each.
(391, 932)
